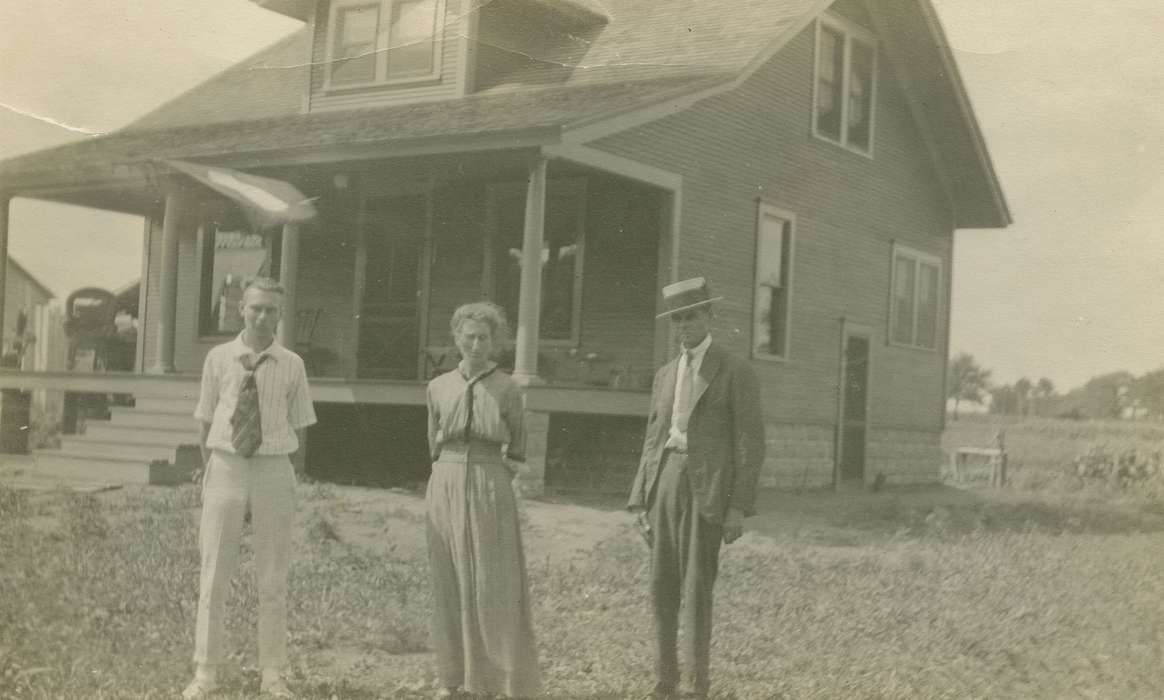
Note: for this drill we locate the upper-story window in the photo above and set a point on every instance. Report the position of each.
(915, 302)
(383, 42)
(846, 69)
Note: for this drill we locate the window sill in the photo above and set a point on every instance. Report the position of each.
(774, 359)
(905, 346)
(843, 146)
(330, 89)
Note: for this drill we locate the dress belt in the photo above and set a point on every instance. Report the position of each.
(472, 451)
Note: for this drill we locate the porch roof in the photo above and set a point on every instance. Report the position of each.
(509, 119)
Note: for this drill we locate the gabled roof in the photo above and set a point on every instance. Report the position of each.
(647, 53)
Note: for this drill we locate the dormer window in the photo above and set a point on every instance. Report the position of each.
(383, 42)
(846, 57)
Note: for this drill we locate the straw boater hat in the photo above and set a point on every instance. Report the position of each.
(688, 294)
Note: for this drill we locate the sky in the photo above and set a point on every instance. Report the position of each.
(1069, 96)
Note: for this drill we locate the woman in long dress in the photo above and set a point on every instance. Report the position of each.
(481, 626)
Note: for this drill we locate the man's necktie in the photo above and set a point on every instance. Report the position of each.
(246, 423)
(683, 399)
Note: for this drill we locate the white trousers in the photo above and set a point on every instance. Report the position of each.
(268, 483)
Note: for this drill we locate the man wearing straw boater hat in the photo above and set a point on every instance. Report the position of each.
(696, 480)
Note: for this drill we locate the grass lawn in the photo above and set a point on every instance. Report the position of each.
(906, 593)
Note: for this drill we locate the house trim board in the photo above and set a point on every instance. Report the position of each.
(950, 68)
(925, 129)
(309, 62)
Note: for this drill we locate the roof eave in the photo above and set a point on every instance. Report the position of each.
(111, 171)
(1003, 216)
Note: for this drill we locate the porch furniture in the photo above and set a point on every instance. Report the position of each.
(439, 359)
(995, 458)
(315, 357)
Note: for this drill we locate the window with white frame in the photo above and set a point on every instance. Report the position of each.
(916, 299)
(383, 41)
(771, 308)
(844, 89)
(231, 258)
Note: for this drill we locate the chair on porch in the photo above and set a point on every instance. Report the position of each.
(306, 321)
(439, 359)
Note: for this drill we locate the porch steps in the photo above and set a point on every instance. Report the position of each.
(149, 420)
(121, 449)
(107, 431)
(117, 449)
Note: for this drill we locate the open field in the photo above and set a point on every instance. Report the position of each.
(906, 593)
(1041, 450)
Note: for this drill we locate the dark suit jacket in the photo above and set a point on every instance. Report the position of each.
(725, 435)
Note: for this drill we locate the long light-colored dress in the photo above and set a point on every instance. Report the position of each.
(481, 626)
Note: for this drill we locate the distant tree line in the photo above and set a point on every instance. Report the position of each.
(1113, 395)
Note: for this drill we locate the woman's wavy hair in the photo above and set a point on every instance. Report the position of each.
(486, 312)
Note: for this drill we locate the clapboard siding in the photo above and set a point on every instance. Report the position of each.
(450, 84)
(755, 142)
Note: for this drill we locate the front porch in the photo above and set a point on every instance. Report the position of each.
(372, 281)
(398, 244)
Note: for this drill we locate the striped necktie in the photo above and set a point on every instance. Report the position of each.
(246, 423)
(683, 400)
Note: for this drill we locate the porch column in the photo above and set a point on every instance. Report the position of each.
(176, 206)
(289, 277)
(525, 363)
(4, 200)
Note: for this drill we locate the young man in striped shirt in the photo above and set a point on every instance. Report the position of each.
(254, 408)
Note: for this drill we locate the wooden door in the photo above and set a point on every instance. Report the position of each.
(854, 409)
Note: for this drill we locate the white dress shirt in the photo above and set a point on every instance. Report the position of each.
(678, 439)
(284, 403)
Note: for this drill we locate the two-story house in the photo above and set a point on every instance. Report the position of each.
(812, 159)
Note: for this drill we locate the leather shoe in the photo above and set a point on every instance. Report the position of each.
(199, 689)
